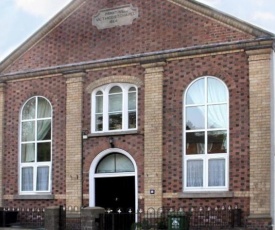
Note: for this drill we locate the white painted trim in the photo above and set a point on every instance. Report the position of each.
(105, 113)
(93, 175)
(205, 157)
(35, 165)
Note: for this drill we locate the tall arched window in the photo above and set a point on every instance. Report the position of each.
(35, 146)
(206, 135)
(114, 108)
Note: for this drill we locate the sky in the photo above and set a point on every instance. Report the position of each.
(19, 19)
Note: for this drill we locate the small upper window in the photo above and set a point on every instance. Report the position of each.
(206, 135)
(115, 163)
(35, 142)
(114, 108)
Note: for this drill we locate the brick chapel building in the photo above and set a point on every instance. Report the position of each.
(152, 103)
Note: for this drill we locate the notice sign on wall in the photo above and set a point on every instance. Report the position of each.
(119, 16)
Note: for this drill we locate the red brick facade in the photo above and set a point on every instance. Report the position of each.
(192, 44)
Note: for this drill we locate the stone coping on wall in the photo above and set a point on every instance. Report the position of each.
(205, 194)
(34, 197)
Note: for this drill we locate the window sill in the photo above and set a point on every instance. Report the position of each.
(34, 197)
(113, 133)
(205, 194)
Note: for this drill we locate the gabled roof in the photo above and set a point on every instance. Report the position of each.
(227, 19)
(190, 5)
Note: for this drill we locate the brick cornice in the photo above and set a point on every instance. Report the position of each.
(259, 52)
(113, 79)
(143, 58)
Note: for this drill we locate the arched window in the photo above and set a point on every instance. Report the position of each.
(206, 135)
(114, 108)
(35, 146)
(115, 163)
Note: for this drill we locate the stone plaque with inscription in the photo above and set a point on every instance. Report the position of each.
(112, 17)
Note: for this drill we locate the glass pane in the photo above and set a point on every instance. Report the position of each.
(44, 152)
(195, 143)
(132, 119)
(115, 103)
(217, 142)
(115, 121)
(42, 183)
(99, 123)
(115, 89)
(99, 104)
(99, 93)
(44, 130)
(196, 93)
(107, 164)
(217, 92)
(216, 172)
(194, 173)
(132, 89)
(27, 152)
(195, 118)
(29, 110)
(28, 132)
(115, 163)
(123, 164)
(132, 101)
(27, 179)
(44, 108)
(217, 116)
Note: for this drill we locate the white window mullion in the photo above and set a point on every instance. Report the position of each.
(34, 176)
(105, 110)
(136, 96)
(125, 109)
(209, 85)
(34, 164)
(205, 161)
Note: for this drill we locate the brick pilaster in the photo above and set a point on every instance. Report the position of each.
(2, 103)
(260, 132)
(153, 125)
(74, 139)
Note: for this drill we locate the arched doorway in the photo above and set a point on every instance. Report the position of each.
(113, 181)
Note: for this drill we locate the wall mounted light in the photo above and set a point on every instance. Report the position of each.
(111, 142)
(84, 135)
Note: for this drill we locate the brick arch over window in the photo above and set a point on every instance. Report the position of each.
(114, 79)
(222, 75)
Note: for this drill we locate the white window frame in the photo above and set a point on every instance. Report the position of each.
(205, 157)
(93, 175)
(35, 165)
(105, 90)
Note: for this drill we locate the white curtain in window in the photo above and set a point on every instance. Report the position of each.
(28, 135)
(28, 152)
(196, 93)
(29, 110)
(217, 92)
(216, 172)
(28, 129)
(27, 179)
(217, 114)
(194, 173)
(43, 126)
(42, 178)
